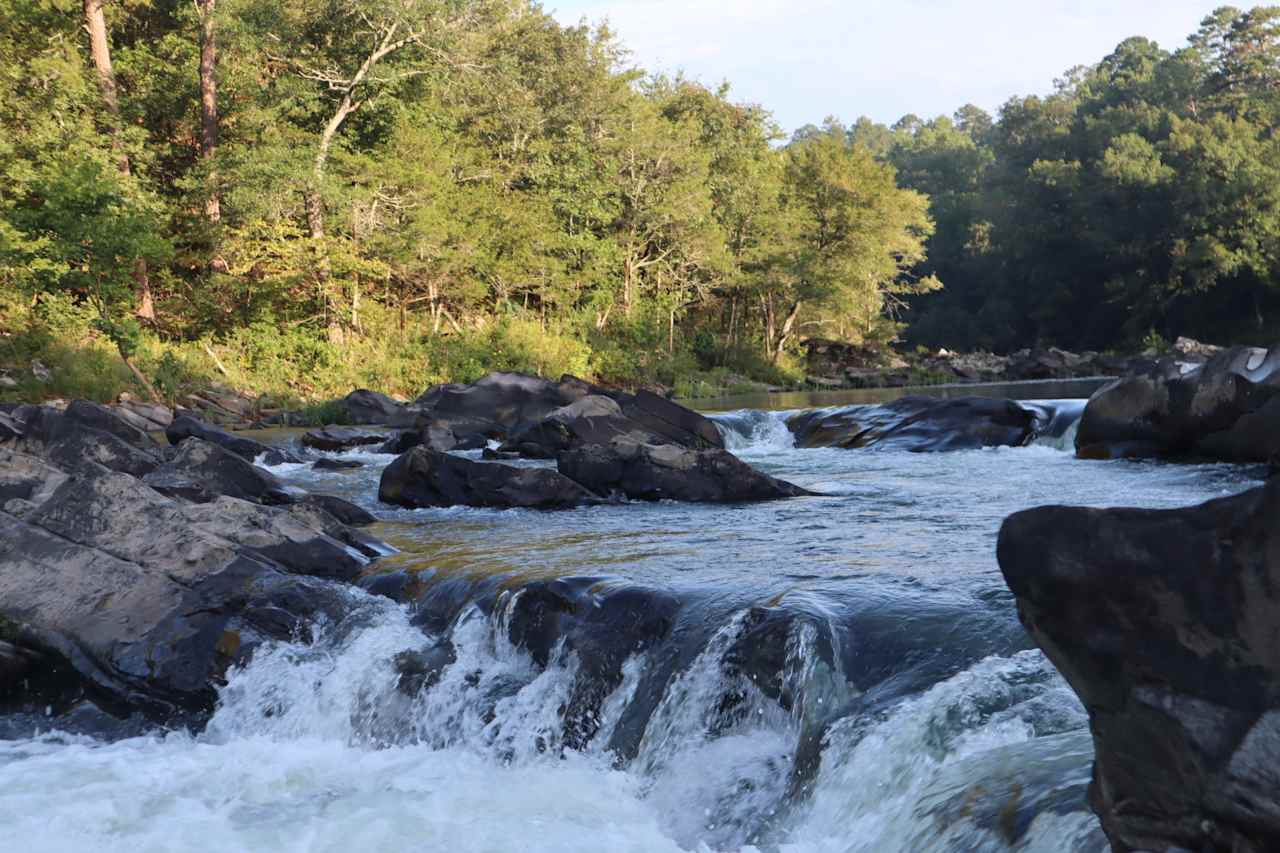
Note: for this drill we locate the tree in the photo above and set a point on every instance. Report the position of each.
(100, 51)
(854, 239)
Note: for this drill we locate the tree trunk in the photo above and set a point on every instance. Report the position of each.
(784, 334)
(95, 23)
(209, 103)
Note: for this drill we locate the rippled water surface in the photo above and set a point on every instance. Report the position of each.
(909, 713)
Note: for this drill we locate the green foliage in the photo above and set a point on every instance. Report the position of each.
(422, 191)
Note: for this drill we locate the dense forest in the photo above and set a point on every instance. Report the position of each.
(300, 196)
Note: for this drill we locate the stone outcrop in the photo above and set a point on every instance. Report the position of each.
(667, 472)
(337, 439)
(140, 598)
(920, 424)
(1227, 409)
(429, 478)
(1167, 624)
(186, 426)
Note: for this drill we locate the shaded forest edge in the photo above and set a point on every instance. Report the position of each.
(296, 198)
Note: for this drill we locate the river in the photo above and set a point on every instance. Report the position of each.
(837, 673)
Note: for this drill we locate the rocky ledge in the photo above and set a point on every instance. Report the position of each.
(133, 574)
(1167, 624)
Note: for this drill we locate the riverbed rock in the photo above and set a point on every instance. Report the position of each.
(186, 426)
(427, 478)
(336, 439)
(200, 472)
(1227, 409)
(666, 472)
(87, 432)
(919, 424)
(336, 465)
(149, 600)
(1167, 625)
(502, 402)
(371, 408)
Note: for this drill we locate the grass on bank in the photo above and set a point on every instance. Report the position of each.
(298, 368)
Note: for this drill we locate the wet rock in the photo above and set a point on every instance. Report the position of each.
(401, 442)
(397, 586)
(1227, 409)
(369, 408)
(602, 623)
(142, 600)
(919, 424)
(425, 478)
(667, 472)
(343, 510)
(341, 438)
(336, 465)
(1167, 625)
(186, 426)
(420, 670)
(200, 472)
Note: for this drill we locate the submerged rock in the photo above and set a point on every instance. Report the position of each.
(667, 472)
(1167, 625)
(425, 478)
(919, 424)
(1226, 409)
(341, 438)
(336, 465)
(187, 426)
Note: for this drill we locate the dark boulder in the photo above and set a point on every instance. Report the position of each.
(644, 418)
(370, 408)
(919, 424)
(186, 426)
(336, 464)
(667, 472)
(401, 442)
(507, 401)
(343, 510)
(671, 421)
(1167, 624)
(1226, 409)
(200, 472)
(147, 600)
(594, 419)
(335, 439)
(425, 478)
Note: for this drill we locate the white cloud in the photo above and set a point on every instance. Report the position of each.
(806, 59)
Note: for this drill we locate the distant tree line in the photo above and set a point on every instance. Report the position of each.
(1142, 196)
(334, 170)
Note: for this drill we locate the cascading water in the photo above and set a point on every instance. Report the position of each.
(842, 673)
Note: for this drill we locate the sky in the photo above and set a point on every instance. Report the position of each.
(808, 59)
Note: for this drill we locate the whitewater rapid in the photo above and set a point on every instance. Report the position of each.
(904, 711)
